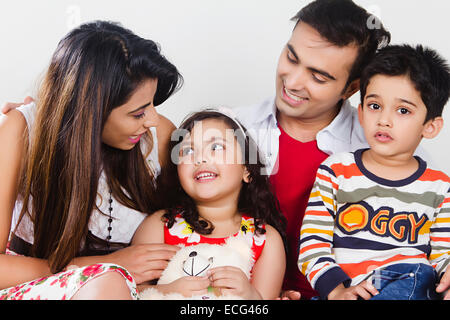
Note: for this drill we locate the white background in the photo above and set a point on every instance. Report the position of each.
(227, 50)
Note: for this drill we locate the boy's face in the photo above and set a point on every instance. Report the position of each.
(311, 75)
(393, 116)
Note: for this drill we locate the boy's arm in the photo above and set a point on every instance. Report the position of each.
(316, 259)
(439, 237)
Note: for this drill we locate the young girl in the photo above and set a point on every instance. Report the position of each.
(218, 192)
(79, 173)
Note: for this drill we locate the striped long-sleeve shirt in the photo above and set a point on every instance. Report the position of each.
(357, 222)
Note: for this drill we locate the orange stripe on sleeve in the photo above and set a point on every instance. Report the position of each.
(315, 246)
(312, 274)
(317, 213)
(328, 179)
(439, 239)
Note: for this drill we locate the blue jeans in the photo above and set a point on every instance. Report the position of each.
(405, 282)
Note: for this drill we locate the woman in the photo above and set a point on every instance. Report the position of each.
(80, 172)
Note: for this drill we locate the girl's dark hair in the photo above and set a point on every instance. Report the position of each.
(342, 23)
(95, 68)
(426, 69)
(255, 199)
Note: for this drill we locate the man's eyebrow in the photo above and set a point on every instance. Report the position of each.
(141, 107)
(324, 73)
(291, 49)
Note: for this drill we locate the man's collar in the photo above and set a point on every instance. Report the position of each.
(341, 126)
(267, 110)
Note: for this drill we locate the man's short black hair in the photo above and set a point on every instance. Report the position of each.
(428, 71)
(342, 23)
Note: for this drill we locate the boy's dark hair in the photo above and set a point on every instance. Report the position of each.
(255, 199)
(342, 23)
(428, 71)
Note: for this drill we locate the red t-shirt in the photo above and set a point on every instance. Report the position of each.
(297, 166)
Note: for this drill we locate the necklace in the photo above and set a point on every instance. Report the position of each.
(110, 209)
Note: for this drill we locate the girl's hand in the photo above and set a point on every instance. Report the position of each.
(364, 290)
(233, 281)
(187, 286)
(145, 262)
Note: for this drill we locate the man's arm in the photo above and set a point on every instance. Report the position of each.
(8, 106)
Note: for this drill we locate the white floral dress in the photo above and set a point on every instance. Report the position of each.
(63, 285)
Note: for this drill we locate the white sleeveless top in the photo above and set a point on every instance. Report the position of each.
(125, 220)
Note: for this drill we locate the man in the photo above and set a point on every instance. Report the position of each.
(310, 116)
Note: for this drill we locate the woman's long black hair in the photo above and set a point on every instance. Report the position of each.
(97, 67)
(255, 199)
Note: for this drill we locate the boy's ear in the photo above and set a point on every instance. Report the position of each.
(352, 88)
(432, 127)
(246, 177)
(360, 114)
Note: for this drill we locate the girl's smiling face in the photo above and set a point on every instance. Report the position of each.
(210, 166)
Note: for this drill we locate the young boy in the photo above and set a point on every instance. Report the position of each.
(378, 220)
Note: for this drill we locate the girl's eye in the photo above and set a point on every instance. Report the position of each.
(186, 151)
(403, 111)
(216, 147)
(374, 106)
(139, 116)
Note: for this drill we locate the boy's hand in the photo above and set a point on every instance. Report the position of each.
(364, 290)
(444, 284)
(8, 106)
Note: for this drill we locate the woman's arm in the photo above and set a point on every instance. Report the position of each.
(13, 140)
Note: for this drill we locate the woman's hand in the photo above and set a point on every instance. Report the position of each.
(233, 281)
(145, 262)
